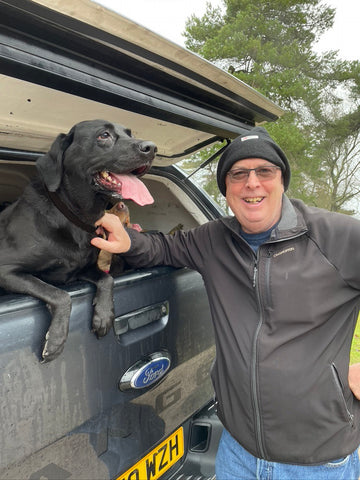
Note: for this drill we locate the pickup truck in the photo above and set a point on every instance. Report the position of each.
(137, 404)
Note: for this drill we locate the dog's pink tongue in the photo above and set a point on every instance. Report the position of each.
(134, 189)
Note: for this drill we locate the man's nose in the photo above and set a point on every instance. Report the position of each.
(252, 180)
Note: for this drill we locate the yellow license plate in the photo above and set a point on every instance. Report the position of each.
(159, 460)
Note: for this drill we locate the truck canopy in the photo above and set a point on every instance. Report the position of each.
(63, 61)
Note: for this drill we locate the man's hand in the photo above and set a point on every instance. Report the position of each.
(354, 379)
(118, 241)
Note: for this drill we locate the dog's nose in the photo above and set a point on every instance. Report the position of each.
(148, 148)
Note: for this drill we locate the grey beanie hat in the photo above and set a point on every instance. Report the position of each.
(255, 143)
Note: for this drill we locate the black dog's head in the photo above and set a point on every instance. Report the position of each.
(102, 156)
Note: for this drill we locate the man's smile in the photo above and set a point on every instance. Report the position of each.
(253, 199)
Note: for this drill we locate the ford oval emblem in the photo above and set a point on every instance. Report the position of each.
(146, 372)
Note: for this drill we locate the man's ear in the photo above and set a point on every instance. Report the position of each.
(50, 165)
(282, 182)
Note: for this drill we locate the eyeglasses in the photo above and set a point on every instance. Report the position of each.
(263, 173)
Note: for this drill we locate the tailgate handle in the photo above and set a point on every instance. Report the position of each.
(139, 318)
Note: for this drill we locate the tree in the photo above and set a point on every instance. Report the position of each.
(339, 154)
(206, 176)
(340, 184)
(270, 45)
(338, 147)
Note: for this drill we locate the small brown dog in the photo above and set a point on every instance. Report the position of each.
(105, 258)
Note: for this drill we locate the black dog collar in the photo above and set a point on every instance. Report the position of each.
(60, 205)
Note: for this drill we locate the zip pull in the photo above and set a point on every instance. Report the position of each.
(255, 275)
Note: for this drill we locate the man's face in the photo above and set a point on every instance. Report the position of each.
(256, 203)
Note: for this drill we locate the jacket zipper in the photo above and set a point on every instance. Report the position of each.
(254, 366)
(255, 395)
(258, 427)
(255, 274)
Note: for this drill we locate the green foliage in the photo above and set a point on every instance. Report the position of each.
(355, 346)
(270, 45)
(206, 176)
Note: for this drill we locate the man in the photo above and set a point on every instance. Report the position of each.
(283, 282)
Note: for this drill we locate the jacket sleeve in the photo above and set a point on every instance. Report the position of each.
(183, 249)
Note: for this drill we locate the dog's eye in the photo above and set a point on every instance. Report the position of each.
(104, 136)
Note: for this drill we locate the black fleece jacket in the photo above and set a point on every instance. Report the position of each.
(284, 320)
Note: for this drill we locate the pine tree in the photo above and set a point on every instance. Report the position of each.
(271, 46)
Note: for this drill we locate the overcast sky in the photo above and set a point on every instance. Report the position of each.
(168, 17)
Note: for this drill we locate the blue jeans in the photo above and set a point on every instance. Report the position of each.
(234, 463)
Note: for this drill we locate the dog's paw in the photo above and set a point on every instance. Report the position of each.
(59, 327)
(101, 324)
(103, 302)
(51, 350)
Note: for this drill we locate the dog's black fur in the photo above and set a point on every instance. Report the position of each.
(40, 247)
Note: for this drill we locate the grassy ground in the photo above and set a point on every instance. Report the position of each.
(355, 347)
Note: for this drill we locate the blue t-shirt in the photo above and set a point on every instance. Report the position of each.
(257, 239)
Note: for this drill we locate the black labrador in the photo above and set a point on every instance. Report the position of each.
(45, 235)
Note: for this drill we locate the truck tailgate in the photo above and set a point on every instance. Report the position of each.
(69, 418)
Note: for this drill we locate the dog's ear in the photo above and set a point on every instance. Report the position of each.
(50, 165)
